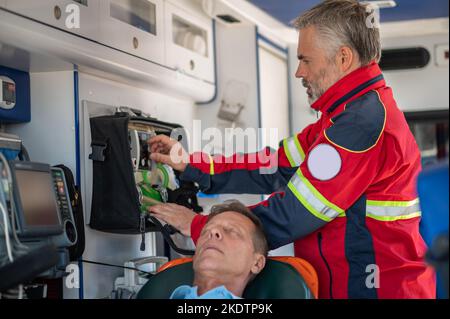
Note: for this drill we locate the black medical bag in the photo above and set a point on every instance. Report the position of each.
(116, 206)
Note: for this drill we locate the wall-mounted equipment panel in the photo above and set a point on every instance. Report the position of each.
(189, 43)
(74, 16)
(14, 96)
(134, 26)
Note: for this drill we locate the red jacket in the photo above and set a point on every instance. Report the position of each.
(344, 189)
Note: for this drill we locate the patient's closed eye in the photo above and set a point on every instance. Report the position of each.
(228, 229)
(232, 230)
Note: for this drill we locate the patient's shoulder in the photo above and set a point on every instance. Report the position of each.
(182, 292)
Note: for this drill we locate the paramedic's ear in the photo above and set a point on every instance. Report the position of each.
(346, 59)
(258, 264)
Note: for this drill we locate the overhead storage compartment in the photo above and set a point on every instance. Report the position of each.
(135, 27)
(189, 42)
(74, 16)
(132, 41)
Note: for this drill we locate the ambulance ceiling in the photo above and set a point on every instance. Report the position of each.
(287, 10)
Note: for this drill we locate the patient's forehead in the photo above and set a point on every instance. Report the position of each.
(231, 217)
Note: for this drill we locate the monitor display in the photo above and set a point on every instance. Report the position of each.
(36, 206)
(38, 201)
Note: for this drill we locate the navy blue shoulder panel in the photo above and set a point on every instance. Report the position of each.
(360, 126)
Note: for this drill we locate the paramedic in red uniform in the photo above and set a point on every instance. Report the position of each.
(344, 191)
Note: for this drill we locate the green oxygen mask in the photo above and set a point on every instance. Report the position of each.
(153, 185)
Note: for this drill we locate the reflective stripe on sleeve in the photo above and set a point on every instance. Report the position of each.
(211, 165)
(294, 151)
(315, 202)
(393, 210)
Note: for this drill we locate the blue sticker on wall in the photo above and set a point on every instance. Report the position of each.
(20, 113)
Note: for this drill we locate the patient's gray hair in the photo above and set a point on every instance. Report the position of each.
(344, 23)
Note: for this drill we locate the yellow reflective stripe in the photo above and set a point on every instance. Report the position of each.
(393, 203)
(394, 218)
(388, 218)
(288, 153)
(211, 165)
(318, 205)
(305, 203)
(393, 210)
(389, 211)
(294, 151)
(319, 195)
(299, 148)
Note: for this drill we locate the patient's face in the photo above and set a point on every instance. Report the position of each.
(225, 247)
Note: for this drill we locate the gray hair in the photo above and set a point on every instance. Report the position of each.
(344, 23)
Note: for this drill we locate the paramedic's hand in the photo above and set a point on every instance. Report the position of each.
(168, 151)
(177, 216)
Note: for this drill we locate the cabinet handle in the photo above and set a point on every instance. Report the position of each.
(135, 42)
(192, 64)
(57, 12)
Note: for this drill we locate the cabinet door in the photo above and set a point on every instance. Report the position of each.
(134, 26)
(189, 43)
(75, 16)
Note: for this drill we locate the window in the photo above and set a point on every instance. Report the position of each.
(404, 59)
(431, 132)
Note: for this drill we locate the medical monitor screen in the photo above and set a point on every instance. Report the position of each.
(36, 190)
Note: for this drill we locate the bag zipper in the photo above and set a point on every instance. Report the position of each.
(319, 239)
(142, 229)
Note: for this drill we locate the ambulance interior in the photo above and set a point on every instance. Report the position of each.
(212, 71)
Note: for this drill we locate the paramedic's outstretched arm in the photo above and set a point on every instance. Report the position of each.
(259, 173)
(177, 216)
(309, 203)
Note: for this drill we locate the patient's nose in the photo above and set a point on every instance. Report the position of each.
(215, 233)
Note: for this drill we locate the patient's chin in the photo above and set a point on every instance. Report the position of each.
(207, 264)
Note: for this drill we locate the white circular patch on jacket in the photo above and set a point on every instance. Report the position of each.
(324, 162)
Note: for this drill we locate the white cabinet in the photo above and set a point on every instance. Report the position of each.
(134, 26)
(189, 43)
(75, 16)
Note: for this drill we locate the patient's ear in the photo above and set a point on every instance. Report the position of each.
(258, 264)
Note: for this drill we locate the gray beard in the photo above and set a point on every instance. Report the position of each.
(316, 95)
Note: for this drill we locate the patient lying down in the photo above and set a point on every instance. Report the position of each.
(231, 251)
